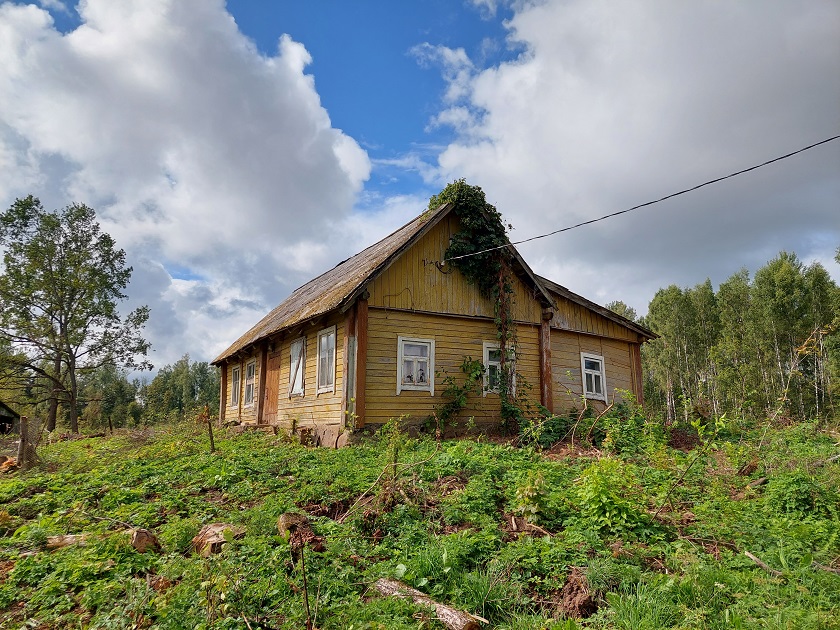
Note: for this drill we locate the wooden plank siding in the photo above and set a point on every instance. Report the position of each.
(566, 348)
(413, 282)
(455, 338)
(574, 317)
(311, 408)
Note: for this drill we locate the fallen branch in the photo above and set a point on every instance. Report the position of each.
(763, 564)
(450, 617)
(822, 567)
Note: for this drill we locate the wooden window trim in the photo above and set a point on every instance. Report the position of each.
(330, 388)
(235, 385)
(253, 384)
(300, 365)
(487, 346)
(430, 379)
(602, 373)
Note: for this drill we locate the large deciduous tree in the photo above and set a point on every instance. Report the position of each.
(61, 284)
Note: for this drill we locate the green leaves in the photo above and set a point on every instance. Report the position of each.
(60, 287)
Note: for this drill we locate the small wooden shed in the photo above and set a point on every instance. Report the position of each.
(374, 337)
(9, 418)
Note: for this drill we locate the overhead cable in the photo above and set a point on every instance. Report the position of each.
(649, 203)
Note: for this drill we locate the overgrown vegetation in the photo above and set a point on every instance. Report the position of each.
(522, 537)
(479, 250)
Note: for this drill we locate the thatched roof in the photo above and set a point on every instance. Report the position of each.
(340, 285)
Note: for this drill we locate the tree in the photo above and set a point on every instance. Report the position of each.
(620, 308)
(180, 389)
(61, 283)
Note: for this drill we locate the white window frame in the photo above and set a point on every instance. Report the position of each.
(429, 386)
(250, 383)
(235, 385)
(330, 387)
(297, 367)
(487, 347)
(600, 373)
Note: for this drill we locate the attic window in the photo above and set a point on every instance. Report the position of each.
(326, 360)
(415, 364)
(594, 380)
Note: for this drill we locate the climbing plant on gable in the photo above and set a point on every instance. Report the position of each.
(479, 251)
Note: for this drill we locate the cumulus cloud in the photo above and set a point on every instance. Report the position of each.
(613, 105)
(192, 146)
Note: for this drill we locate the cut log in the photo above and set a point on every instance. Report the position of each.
(450, 617)
(67, 540)
(211, 537)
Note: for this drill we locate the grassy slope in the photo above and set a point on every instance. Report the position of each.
(443, 527)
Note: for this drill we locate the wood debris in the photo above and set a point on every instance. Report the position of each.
(452, 618)
(211, 537)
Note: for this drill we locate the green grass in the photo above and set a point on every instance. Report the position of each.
(442, 526)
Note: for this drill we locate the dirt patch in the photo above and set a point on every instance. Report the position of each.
(575, 598)
(6, 567)
(330, 510)
(568, 450)
(683, 438)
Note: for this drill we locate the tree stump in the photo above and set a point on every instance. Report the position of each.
(211, 537)
(26, 457)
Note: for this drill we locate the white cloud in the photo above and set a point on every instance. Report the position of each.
(613, 105)
(192, 146)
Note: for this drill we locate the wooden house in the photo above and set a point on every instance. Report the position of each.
(374, 337)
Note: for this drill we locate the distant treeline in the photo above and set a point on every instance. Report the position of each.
(107, 398)
(758, 346)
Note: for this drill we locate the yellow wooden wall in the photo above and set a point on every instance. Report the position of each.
(311, 408)
(242, 412)
(455, 338)
(571, 316)
(567, 385)
(413, 282)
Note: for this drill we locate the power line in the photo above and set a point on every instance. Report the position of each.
(648, 203)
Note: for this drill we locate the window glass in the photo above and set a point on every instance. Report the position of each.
(326, 360)
(493, 366)
(416, 364)
(250, 372)
(297, 367)
(593, 376)
(235, 386)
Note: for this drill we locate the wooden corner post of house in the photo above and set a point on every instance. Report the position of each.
(361, 357)
(349, 368)
(260, 393)
(546, 393)
(223, 393)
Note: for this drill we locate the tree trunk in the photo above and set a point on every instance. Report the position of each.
(26, 456)
(448, 616)
(53, 413)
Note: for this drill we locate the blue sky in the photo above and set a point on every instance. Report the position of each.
(235, 150)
